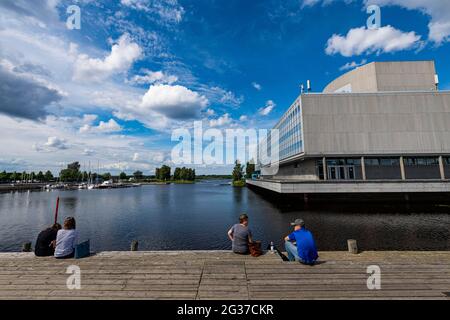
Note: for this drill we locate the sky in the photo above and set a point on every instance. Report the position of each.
(112, 92)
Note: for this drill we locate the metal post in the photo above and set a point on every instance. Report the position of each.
(325, 169)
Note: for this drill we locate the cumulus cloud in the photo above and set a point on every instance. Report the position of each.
(52, 144)
(243, 118)
(221, 121)
(352, 65)
(103, 127)
(123, 54)
(270, 105)
(24, 96)
(437, 10)
(174, 102)
(361, 40)
(154, 77)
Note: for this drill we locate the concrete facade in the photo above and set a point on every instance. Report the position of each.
(376, 123)
(382, 122)
(387, 76)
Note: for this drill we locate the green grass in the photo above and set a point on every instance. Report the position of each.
(183, 182)
(239, 184)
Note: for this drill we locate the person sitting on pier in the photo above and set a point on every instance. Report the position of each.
(66, 240)
(240, 235)
(46, 241)
(300, 244)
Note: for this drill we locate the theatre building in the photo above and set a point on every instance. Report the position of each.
(381, 128)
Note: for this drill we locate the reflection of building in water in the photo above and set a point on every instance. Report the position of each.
(383, 127)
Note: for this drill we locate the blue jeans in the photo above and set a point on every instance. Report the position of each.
(293, 253)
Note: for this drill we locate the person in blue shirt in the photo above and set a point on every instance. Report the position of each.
(300, 244)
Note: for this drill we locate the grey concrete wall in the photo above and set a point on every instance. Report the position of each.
(362, 79)
(376, 124)
(388, 76)
(306, 170)
(405, 76)
(354, 187)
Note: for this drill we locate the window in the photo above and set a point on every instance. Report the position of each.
(372, 162)
(421, 161)
(447, 161)
(389, 162)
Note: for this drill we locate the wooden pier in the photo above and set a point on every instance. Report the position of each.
(223, 275)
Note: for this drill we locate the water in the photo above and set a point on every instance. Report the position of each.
(197, 217)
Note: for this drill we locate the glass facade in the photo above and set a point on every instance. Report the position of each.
(290, 130)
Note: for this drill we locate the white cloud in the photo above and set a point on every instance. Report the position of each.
(361, 40)
(136, 157)
(270, 105)
(257, 86)
(123, 54)
(221, 121)
(169, 11)
(438, 10)
(88, 152)
(310, 3)
(243, 118)
(103, 127)
(174, 102)
(352, 65)
(210, 112)
(154, 77)
(52, 144)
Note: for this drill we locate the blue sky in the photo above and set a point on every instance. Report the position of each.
(113, 91)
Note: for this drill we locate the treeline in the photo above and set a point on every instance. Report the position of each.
(179, 174)
(26, 176)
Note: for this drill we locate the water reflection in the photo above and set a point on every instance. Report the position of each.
(189, 217)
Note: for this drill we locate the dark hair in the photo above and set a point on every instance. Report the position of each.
(243, 217)
(56, 226)
(69, 223)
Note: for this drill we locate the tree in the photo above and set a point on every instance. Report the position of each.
(138, 175)
(107, 176)
(123, 176)
(237, 171)
(249, 169)
(3, 176)
(40, 176)
(48, 176)
(163, 173)
(72, 173)
(177, 174)
(14, 176)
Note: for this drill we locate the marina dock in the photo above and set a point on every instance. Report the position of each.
(193, 275)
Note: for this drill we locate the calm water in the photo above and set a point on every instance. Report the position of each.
(178, 217)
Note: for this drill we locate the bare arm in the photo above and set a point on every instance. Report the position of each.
(230, 234)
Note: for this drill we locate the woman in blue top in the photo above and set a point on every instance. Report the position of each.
(300, 244)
